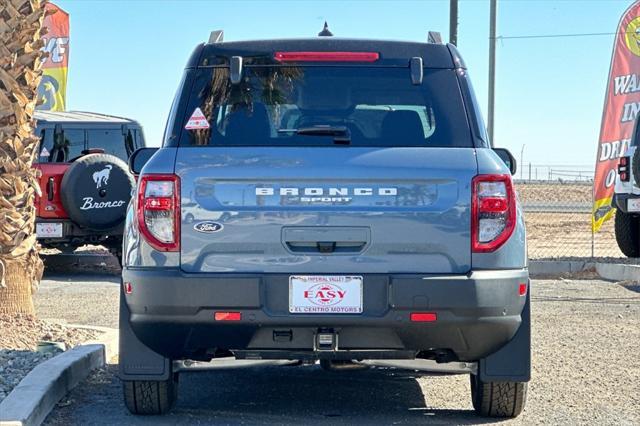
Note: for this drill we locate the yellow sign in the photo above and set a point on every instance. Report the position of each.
(52, 89)
(620, 110)
(633, 36)
(53, 86)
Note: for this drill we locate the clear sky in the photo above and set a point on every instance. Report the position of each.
(126, 57)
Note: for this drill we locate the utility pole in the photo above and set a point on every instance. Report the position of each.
(492, 67)
(522, 160)
(453, 22)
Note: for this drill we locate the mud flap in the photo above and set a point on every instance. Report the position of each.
(137, 361)
(512, 363)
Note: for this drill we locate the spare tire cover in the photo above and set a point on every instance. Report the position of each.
(96, 190)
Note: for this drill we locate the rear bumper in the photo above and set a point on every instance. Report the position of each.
(173, 314)
(620, 201)
(72, 234)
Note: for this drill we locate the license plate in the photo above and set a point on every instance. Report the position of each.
(49, 230)
(633, 205)
(325, 294)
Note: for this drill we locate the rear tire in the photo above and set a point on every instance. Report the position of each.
(114, 245)
(117, 253)
(628, 233)
(636, 166)
(150, 397)
(498, 399)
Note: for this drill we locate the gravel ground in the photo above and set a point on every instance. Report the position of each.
(567, 233)
(86, 299)
(554, 192)
(18, 345)
(88, 287)
(586, 370)
(74, 290)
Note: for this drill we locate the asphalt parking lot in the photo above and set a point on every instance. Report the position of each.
(586, 370)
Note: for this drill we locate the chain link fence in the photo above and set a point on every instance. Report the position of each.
(558, 216)
(532, 172)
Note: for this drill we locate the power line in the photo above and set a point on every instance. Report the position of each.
(561, 35)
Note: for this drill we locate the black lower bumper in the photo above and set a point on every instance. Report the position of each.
(75, 236)
(174, 314)
(621, 201)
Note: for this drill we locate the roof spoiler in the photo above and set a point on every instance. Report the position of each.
(216, 36)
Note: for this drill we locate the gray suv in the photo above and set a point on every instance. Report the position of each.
(331, 200)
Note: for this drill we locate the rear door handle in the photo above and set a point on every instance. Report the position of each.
(326, 240)
(326, 247)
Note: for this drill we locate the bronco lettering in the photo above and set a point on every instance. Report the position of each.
(327, 191)
(89, 204)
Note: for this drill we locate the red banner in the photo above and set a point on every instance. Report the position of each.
(53, 87)
(621, 106)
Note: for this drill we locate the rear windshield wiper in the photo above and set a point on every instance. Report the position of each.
(341, 134)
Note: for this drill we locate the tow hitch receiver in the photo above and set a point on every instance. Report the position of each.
(326, 340)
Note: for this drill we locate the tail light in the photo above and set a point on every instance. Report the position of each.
(623, 169)
(423, 316)
(493, 212)
(228, 316)
(326, 56)
(522, 289)
(158, 211)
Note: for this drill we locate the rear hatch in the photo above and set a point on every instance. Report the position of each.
(326, 210)
(325, 169)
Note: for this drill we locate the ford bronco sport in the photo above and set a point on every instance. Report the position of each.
(344, 204)
(626, 198)
(85, 181)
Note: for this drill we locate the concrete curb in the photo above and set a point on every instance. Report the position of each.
(32, 400)
(608, 271)
(555, 267)
(617, 272)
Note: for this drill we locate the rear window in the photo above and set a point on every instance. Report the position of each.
(62, 146)
(66, 144)
(46, 143)
(112, 141)
(367, 106)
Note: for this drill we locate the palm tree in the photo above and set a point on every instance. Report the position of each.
(20, 73)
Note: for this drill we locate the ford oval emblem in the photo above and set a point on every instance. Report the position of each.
(208, 227)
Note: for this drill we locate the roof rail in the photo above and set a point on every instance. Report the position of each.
(434, 37)
(216, 36)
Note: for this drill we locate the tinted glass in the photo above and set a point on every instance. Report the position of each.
(370, 106)
(172, 128)
(475, 113)
(46, 144)
(139, 139)
(112, 141)
(130, 142)
(67, 145)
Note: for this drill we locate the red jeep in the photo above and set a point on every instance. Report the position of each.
(85, 182)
